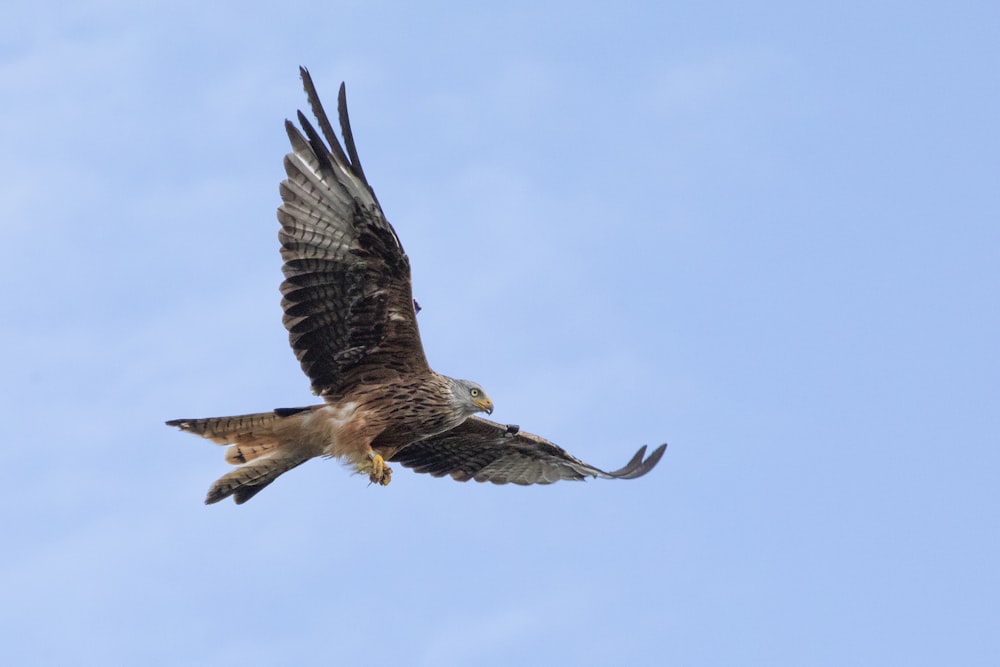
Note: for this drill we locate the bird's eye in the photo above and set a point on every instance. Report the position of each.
(474, 392)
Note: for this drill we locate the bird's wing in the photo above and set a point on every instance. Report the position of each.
(489, 452)
(347, 295)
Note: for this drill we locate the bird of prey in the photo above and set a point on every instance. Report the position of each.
(352, 322)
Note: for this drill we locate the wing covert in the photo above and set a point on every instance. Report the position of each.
(485, 451)
(347, 296)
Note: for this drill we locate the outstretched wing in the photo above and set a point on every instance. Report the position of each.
(489, 452)
(347, 295)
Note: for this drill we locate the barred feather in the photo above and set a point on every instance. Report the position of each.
(226, 430)
(264, 445)
(351, 320)
(245, 482)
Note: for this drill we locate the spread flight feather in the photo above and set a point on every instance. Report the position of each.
(348, 307)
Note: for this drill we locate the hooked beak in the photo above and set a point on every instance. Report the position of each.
(485, 404)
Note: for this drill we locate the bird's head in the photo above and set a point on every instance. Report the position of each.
(472, 397)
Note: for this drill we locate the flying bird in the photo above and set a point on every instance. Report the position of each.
(352, 323)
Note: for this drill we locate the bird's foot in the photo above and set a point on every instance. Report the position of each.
(380, 473)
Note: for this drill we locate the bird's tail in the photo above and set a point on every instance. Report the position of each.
(262, 445)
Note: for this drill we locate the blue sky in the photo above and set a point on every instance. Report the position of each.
(766, 234)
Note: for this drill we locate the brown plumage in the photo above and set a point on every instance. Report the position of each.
(489, 452)
(351, 319)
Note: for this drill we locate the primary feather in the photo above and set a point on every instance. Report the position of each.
(352, 324)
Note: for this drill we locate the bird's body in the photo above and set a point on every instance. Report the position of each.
(364, 428)
(351, 318)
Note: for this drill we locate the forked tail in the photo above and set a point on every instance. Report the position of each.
(261, 445)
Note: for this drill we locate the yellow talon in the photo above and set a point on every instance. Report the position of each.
(380, 473)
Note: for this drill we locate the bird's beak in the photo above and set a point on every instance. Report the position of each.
(486, 405)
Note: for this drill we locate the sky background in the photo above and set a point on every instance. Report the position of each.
(765, 233)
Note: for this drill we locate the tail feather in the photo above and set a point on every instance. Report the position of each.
(227, 430)
(261, 449)
(246, 452)
(248, 480)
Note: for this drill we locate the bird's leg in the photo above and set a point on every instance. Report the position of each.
(380, 474)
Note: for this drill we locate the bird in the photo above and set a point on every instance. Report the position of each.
(348, 306)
